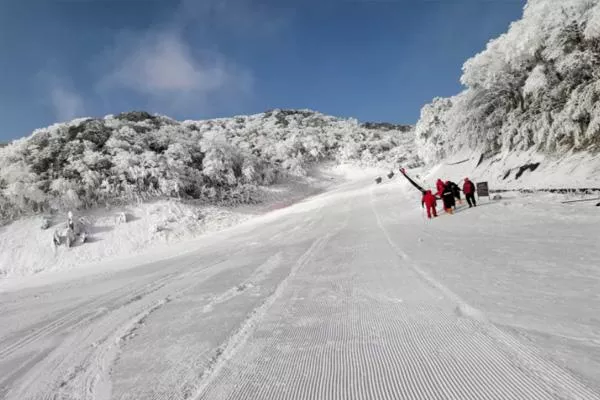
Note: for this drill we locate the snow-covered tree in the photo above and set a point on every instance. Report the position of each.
(137, 156)
(535, 86)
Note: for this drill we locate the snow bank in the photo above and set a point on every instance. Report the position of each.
(27, 248)
(521, 170)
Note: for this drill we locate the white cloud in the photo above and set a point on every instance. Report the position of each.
(56, 92)
(171, 74)
(67, 104)
(163, 66)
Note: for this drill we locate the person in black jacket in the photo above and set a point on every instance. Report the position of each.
(448, 198)
(455, 191)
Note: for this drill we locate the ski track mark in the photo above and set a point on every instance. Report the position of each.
(54, 365)
(237, 341)
(81, 311)
(189, 377)
(267, 359)
(556, 381)
(259, 274)
(76, 315)
(99, 385)
(95, 366)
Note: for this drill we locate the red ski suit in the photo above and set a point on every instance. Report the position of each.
(430, 202)
(440, 185)
(469, 190)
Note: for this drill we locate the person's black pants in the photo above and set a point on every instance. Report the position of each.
(471, 199)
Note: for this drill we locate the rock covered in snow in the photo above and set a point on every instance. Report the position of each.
(63, 235)
(72, 231)
(45, 223)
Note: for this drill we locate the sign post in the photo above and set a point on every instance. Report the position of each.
(483, 190)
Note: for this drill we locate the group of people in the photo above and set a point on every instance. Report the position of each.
(449, 193)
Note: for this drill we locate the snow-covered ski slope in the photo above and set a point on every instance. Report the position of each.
(348, 295)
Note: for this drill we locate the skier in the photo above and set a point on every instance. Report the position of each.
(448, 199)
(469, 191)
(455, 191)
(430, 202)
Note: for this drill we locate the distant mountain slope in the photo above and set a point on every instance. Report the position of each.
(137, 156)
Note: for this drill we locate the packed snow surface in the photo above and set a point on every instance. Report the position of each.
(351, 294)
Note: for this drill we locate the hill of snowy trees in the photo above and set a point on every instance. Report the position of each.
(137, 156)
(535, 88)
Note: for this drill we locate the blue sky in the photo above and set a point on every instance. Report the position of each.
(377, 60)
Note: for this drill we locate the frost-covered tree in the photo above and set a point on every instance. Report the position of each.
(137, 156)
(536, 86)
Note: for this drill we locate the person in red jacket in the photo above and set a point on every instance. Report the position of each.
(430, 202)
(440, 185)
(469, 191)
